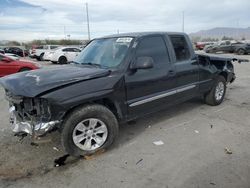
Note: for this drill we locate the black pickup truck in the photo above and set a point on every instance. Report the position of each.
(115, 79)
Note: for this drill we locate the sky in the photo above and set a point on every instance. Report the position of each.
(26, 20)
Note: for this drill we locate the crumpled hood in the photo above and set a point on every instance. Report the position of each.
(33, 83)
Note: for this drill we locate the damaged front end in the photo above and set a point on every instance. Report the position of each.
(30, 115)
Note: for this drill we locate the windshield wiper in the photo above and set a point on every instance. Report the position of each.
(95, 64)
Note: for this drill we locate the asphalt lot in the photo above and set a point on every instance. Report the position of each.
(193, 155)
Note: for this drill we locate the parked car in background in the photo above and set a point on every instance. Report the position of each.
(12, 56)
(39, 51)
(15, 50)
(10, 66)
(2, 51)
(63, 55)
(201, 45)
(223, 46)
(243, 49)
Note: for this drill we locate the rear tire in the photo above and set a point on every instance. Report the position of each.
(217, 93)
(62, 60)
(81, 130)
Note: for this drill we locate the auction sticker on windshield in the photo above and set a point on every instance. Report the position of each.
(124, 40)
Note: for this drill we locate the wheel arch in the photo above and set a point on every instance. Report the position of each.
(108, 103)
(24, 68)
(224, 74)
(61, 57)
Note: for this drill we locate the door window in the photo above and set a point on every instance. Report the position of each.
(155, 48)
(181, 48)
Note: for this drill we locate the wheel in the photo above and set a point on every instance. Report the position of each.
(217, 93)
(89, 129)
(208, 50)
(24, 69)
(62, 60)
(41, 57)
(241, 52)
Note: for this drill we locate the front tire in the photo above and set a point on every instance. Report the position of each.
(24, 69)
(41, 57)
(241, 52)
(217, 93)
(89, 129)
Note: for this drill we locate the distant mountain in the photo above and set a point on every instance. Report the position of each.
(219, 32)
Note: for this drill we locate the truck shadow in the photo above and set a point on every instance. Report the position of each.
(130, 130)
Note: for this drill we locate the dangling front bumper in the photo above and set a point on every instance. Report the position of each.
(29, 127)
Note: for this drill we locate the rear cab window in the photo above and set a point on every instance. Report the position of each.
(181, 48)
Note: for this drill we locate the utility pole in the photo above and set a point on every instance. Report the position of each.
(118, 31)
(237, 29)
(64, 32)
(183, 21)
(87, 14)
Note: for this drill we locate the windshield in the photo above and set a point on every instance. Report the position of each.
(106, 53)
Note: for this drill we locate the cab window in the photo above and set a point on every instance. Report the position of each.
(181, 48)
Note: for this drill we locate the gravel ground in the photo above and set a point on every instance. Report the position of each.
(193, 154)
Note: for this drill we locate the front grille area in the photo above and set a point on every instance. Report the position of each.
(29, 109)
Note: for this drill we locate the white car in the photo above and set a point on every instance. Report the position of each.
(38, 52)
(63, 55)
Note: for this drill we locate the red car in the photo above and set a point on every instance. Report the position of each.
(10, 66)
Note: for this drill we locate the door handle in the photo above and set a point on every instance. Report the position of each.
(171, 73)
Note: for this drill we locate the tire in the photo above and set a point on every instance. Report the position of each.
(62, 60)
(217, 93)
(41, 57)
(208, 50)
(81, 118)
(241, 52)
(24, 69)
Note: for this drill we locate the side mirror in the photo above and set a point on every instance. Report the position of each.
(143, 63)
(6, 59)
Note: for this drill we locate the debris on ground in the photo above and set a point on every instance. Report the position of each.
(39, 140)
(211, 126)
(89, 157)
(60, 161)
(212, 183)
(158, 143)
(196, 131)
(149, 126)
(34, 144)
(21, 136)
(139, 161)
(55, 148)
(133, 122)
(228, 151)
